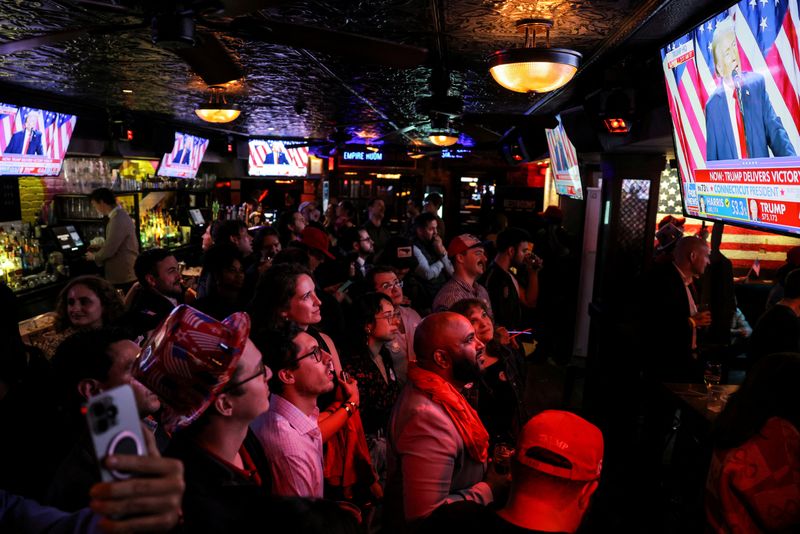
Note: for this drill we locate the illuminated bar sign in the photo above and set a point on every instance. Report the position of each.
(354, 156)
(362, 155)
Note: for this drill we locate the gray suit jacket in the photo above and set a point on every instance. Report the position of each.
(120, 249)
(428, 465)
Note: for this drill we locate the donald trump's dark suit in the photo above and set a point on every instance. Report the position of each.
(762, 127)
(15, 144)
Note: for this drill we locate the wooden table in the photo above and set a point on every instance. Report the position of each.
(695, 397)
(31, 328)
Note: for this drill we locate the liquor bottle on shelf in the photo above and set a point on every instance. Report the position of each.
(159, 230)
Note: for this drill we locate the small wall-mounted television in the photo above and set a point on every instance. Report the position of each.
(275, 157)
(197, 217)
(33, 142)
(732, 86)
(564, 162)
(185, 158)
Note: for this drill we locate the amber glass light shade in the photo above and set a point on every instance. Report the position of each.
(443, 138)
(217, 109)
(537, 70)
(217, 114)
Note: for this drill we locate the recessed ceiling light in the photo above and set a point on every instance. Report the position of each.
(271, 129)
(128, 91)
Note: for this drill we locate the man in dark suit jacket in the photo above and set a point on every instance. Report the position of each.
(185, 153)
(671, 316)
(277, 156)
(16, 145)
(762, 128)
(182, 157)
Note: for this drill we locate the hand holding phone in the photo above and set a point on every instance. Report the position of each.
(151, 502)
(115, 427)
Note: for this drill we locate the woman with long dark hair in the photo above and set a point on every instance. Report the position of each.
(753, 483)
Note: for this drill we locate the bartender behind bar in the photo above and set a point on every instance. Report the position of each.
(119, 252)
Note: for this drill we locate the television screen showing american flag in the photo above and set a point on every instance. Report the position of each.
(185, 158)
(33, 141)
(733, 85)
(564, 162)
(275, 157)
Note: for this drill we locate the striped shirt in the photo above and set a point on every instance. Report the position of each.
(292, 443)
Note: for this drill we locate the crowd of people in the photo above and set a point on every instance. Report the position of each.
(336, 376)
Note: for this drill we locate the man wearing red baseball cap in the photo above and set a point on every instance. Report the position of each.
(467, 254)
(554, 472)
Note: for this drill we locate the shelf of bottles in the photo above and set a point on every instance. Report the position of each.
(159, 230)
(21, 259)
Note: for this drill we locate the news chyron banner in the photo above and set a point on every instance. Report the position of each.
(766, 195)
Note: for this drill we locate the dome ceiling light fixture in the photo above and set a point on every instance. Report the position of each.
(217, 109)
(532, 68)
(443, 137)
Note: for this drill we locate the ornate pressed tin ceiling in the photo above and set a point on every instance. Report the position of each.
(292, 92)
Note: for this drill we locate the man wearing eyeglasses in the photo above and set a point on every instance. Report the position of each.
(212, 383)
(468, 257)
(289, 431)
(358, 246)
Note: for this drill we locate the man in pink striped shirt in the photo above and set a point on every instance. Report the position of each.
(289, 431)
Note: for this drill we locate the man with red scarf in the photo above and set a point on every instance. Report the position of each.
(438, 447)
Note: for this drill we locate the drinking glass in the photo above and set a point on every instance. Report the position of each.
(712, 376)
(503, 452)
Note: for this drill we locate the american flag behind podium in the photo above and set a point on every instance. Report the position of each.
(767, 38)
(56, 128)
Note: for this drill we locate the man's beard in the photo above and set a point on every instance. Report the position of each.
(466, 370)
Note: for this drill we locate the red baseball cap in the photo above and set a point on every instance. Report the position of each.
(463, 243)
(561, 444)
(316, 239)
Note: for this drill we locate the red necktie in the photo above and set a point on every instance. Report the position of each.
(27, 141)
(740, 124)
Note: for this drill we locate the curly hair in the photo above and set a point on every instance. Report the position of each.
(113, 305)
(362, 314)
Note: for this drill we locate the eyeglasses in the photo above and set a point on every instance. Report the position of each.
(262, 371)
(386, 286)
(316, 353)
(389, 316)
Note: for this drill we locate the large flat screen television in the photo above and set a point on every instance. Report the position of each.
(185, 158)
(564, 162)
(275, 157)
(33, 141)
(733, 85)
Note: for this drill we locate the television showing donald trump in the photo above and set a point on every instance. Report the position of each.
(733, 85)
(276, 157)
(33, 142)
(185, 158)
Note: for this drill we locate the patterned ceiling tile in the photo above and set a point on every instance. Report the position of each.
(287, 91)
